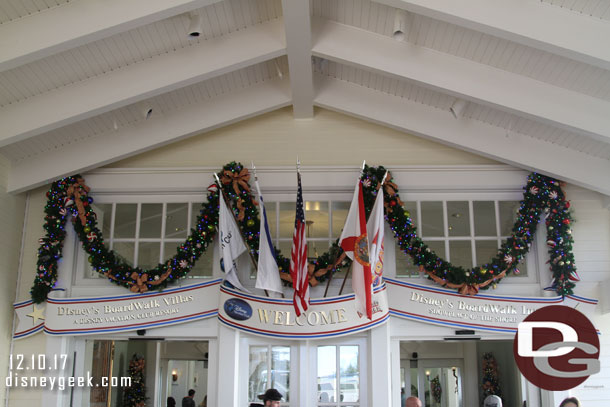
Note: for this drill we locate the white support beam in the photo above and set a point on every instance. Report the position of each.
(298, 43)
(150, 134)
(137, 82)
(532, 23)
(486, 140)
(80, 22)
(464, 79)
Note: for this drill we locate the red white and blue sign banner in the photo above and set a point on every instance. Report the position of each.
(102, 315)
(30, 318)
(485, 312)
(276, 317)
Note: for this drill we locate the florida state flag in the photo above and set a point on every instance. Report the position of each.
(355, 243)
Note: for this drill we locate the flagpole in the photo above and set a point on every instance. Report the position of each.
(238, 228)
(345, 279)
(338, 253)
(260, 237)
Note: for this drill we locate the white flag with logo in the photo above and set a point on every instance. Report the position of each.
(375, 231)
(267, 275)
(231, 244)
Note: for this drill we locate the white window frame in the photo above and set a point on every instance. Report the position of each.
(532, 258)
(416, 183)
(363, 352)
(80, 277)
(246, 341)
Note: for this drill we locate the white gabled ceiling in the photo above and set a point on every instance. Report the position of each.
(536, 76)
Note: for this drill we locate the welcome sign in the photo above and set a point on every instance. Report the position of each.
(275, 317)
(486, 312)
(96, 315)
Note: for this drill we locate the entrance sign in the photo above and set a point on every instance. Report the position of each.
(561, 335)
(86, 316)
(497, 313)
(275, 317)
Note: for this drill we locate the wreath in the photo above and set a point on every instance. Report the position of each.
(542, 196)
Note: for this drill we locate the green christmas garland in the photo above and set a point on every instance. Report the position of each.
(542, 197)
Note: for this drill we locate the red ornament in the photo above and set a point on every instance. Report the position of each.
(392, 203)
(566, 221)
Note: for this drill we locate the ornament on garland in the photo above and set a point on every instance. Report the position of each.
(538, 199)
(135, 395)
(491, 381)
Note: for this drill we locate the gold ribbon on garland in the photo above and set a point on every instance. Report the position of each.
(238, 180)
(76, 192)
(464, 288)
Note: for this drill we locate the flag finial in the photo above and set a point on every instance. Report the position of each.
(254, 171)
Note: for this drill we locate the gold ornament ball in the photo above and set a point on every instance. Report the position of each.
(483, 271)
(250, 223)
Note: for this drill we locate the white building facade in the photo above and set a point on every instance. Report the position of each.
(463, 206)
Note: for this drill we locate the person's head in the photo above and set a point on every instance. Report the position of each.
(191, 393)
(413, 402)
(492, 401)
(570, 402)
(171, 402)
(271, 398)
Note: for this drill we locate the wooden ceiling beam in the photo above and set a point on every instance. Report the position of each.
(533, 23)
(150, 134)
(463, 79)
(470, 135)
(80, 22)
(136, 82)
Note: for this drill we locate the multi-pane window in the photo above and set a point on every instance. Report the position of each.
(338, 378)
(324, 220)
(269, 367)
(466, 233)
(146, 234)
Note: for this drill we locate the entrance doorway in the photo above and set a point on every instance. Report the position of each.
(170, 369)
(459, 373)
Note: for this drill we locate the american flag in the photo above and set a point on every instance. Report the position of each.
(298, 257)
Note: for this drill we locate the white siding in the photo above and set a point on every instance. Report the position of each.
(11, 226)
(328, 139)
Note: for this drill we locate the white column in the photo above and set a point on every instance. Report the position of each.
(153, 360)
(213, 367)
(59, 346)
(395, 371)
(228, 350)
(470, 375)
(379, 365)
(80, 396)
(531, 393)
(305, 383)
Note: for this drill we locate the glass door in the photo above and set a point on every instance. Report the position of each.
(437, 382)
(341, 374)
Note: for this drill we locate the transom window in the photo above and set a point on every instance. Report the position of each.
(146, 234)
(324, 219)
(466, 233)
